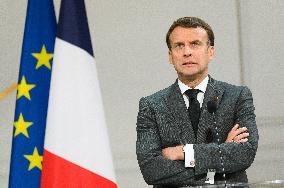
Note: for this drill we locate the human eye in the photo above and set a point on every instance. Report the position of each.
(179, 46)
(195, 44)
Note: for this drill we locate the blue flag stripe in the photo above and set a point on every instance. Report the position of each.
(31, 105)
(74, 27)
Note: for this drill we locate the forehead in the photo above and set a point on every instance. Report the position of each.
(180, 34)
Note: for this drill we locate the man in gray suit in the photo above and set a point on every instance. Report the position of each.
(197, 124)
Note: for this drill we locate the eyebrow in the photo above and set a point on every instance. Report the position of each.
(191, 42)
(195, 41)
(178, 43)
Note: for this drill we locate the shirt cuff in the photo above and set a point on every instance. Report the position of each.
(189, 155)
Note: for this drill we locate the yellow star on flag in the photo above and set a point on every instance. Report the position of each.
(35, 160)
(21, 126)
(43, 58)
(24, 89)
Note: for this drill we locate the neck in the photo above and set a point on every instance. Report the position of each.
(192, 82)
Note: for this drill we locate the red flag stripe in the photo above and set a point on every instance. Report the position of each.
(60, 173)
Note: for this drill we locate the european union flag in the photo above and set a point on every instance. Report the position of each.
(32, 95)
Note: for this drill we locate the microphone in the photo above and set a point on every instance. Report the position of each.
(212, 108)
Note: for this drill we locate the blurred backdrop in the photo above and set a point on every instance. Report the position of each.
(128, 37)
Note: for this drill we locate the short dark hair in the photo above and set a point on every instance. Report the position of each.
(191, 22)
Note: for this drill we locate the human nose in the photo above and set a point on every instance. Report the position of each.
(187, 51)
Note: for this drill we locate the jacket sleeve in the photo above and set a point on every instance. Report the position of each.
(154, 167)
(236, 156)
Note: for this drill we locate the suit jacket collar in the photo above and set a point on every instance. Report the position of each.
(214, 92)
(178, 113)
(178, 110)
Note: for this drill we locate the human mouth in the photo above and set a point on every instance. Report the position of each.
(189, 63)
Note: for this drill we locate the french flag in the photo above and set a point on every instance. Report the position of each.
(76, 150)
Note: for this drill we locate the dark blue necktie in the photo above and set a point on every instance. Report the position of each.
(193, 108)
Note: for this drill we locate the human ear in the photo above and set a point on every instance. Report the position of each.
(170, 57)
(211, 52)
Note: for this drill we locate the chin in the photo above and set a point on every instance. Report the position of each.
(190, 75)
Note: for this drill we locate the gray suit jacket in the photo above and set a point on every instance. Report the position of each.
(163, 121)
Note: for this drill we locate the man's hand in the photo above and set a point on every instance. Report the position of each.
(173, 153)
(238, 134)
(235, 135)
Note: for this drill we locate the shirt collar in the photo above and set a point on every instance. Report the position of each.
(202, 86)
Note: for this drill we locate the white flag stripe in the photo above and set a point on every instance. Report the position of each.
(76, 124)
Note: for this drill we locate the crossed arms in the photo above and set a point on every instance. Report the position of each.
(237, 134)
(166, 166)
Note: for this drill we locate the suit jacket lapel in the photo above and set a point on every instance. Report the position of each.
(213, 93)
(179, 112)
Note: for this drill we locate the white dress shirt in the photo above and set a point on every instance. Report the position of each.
(188, 148)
